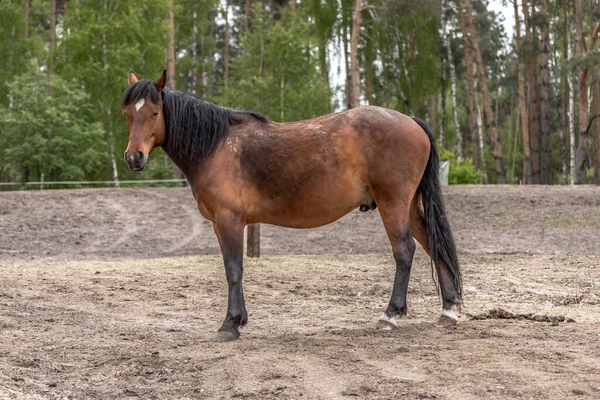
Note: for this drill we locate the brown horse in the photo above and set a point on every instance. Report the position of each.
(244, 169)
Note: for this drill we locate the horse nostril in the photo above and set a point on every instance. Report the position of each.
(140, 155)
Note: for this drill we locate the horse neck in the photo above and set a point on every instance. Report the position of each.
(187, 169)
(174, 149)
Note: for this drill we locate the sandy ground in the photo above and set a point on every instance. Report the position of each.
(116, 294)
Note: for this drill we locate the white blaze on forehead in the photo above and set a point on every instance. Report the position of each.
(139, 104)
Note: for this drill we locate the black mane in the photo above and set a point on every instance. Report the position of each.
(193, 127)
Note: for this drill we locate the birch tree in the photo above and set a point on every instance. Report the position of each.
(354, 67)
(171, 48)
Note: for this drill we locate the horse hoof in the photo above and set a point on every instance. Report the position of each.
(225, 336)
(387, 323)
(445, 320)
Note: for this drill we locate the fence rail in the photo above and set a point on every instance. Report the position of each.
(444, 166)
(106, 183)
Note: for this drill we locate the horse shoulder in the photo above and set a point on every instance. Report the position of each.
(217, 185)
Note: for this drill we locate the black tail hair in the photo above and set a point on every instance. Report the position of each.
(441, 241)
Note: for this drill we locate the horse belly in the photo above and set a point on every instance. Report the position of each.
(317, 207)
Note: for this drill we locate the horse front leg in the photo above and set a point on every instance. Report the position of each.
(230, 232)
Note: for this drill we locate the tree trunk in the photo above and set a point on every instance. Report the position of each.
(403, 96)
(471, 97)
(111, 144)
(369, 81)
(534, 121)
(107, 111)
(211, 54)
(247, 16)
(581, 154)
(355, 77)
(443, 83)
(281, 99)
(516, 141)
(432, 111)
(347, 66)
(522, 105)
(171, 50)
(443, 103)
(293, 5)
(202, 78)
(27, 18)
(546, 173)
(487, 105)
(51, 39)
(450, 59)
(596, 111)
(497, 101)
(324, 67)
(570, 83)
(459, 139)
(566, 106)
(596, 116)
(194, 80)
(480, 144)
(369, 56)
(226, 57)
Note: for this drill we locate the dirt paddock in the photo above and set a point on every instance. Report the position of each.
(116, 294)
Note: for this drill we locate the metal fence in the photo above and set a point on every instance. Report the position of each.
(444, 167)
(41, 183)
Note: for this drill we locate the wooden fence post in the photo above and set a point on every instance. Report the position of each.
(253, 240)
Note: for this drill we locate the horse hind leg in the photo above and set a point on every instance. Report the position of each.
(450, 295)
(396, 221)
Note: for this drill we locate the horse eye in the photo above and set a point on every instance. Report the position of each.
(155, 114)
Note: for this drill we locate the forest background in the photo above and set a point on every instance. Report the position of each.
(506, 107)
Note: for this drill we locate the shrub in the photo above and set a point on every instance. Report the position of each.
(462, 172)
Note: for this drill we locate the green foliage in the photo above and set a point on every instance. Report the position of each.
(50, 134)
(103, 41)
(462, 172)
(15, 50)
(589, 175)
(287, 65)
(407, 40)
(195, 21)
(277, 73)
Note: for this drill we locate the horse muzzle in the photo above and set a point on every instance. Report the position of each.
(136, 161)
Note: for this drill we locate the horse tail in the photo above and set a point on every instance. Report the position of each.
(441, 241)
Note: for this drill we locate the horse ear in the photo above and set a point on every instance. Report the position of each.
(162, 81)
(132, 78)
